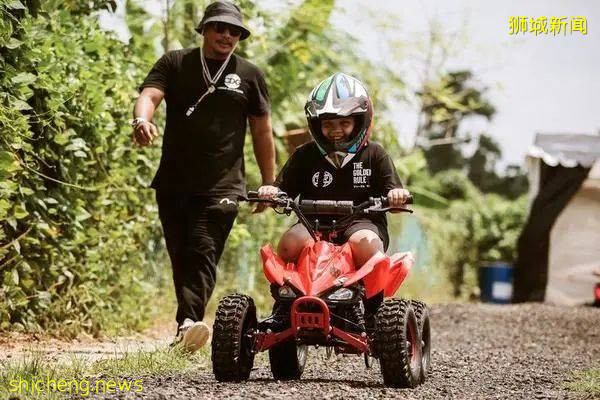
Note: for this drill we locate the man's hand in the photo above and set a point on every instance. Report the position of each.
(397, 197)
(144, 134)
(265, 192)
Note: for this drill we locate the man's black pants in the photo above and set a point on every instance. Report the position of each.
(195, 229)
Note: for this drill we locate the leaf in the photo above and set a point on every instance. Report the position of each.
(44, 296)
(12, 222)
(20, 212)
(24, 78)
(26, 191)
(20, 105)
(7, 161)
(15, 276)
(61, 138)
(83, 214)
(17, 246)
(15, 5)
(13, 43)
(4, 206)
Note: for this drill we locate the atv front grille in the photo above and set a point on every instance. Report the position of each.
(309, 320)
(316, 318)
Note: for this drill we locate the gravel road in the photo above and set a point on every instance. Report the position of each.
(479, 352)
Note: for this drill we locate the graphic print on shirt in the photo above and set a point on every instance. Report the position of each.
(360, 176)
(232, 83)
(322, 179)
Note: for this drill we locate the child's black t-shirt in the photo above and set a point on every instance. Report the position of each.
(370, 173)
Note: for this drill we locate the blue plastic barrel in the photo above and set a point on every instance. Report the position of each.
(496, 282)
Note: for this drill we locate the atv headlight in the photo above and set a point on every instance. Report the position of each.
(286, 292)
(341, 294)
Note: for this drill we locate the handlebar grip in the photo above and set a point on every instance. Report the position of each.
(253, 196)
(385, 203)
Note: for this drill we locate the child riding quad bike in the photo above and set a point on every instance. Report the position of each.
(319, 301)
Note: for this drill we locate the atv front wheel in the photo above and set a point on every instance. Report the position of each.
(232, 353)
(422, 314)
(398, 343)
(288, 360)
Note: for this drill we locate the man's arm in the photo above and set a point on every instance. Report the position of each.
(145, 105)
(264, 147)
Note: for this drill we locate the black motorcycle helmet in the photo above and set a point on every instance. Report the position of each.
(339, 96)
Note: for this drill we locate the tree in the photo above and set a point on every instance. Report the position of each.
(482, 171)
(445, 104)
(482, 164)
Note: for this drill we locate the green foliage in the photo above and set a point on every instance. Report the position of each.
(453, 185)
(471, 232)
(79, 237)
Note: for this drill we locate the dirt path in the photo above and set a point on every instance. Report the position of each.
(17, 346)
(479, 352)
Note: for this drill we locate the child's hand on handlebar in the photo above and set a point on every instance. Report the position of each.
(267, 192)
(397, 197)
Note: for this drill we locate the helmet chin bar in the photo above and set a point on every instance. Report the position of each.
(339, 159)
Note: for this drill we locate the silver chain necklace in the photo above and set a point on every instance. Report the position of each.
(208, 79)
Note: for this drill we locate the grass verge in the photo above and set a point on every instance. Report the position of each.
(82, 376)
(585, 382)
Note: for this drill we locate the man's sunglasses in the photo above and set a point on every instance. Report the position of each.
(221, 27)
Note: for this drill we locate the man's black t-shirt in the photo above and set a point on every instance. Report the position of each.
(203, 153)
(370, 173)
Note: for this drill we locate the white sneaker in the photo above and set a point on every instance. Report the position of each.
(193, 335)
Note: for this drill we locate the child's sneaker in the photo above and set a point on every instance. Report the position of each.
(192, 335)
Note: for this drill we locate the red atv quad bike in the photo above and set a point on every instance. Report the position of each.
(320, 301)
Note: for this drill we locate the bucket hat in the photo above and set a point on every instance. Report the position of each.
(223, 11)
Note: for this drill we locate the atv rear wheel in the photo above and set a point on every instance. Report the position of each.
(397, 343)
(422, 314)
(288, 360)
(232, 352)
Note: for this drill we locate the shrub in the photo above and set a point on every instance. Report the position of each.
(79, 237)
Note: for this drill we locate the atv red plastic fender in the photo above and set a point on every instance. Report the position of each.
(319, 267)
(383, 273)
(323, 265)
(277, 271)
(401, 263)
(373, 273)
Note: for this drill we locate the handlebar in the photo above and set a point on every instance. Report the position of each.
(330, 207)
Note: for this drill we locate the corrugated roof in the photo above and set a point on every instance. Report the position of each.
(566, 150)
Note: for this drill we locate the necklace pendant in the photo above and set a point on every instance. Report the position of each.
(211, 89)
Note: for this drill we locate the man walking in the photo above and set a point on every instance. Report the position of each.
(210, 94)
